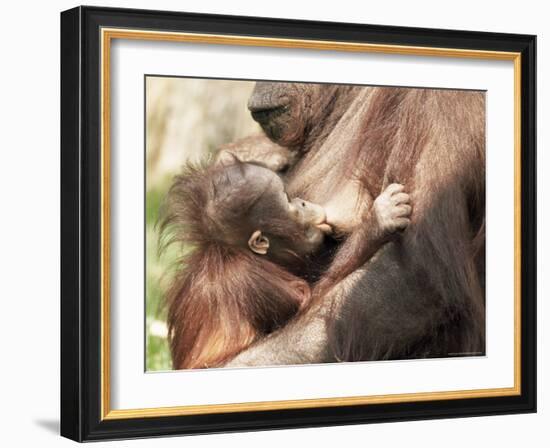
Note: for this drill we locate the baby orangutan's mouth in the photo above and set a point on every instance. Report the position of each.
(325, 228)
(321, 222)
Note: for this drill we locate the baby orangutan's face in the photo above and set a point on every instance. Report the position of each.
(280, 223)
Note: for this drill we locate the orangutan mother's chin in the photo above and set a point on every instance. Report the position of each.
(277, 108)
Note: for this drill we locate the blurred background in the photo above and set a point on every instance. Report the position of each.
(187, 119)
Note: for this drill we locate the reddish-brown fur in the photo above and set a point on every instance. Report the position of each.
(433, 141)
(225, 300)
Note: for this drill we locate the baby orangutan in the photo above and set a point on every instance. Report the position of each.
(245, 242)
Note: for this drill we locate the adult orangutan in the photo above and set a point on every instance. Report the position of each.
(421, 295)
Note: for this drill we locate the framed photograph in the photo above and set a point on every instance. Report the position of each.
(273, 223)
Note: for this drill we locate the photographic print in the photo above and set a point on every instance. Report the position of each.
(303, 223)
(270, 223)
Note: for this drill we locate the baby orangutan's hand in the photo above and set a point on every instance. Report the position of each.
(392, 209)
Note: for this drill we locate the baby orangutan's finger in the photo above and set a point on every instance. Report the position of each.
(400, 198)
(403, 210)
(393, 189)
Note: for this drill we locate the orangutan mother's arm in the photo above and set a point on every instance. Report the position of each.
(302, 341)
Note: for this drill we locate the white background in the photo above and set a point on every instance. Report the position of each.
(132, 388)
(29, 382)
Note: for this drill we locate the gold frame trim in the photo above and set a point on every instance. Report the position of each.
(107, 35)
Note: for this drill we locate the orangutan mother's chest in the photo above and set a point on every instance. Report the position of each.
(345, 201)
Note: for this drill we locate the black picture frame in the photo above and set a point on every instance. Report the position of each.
(81, 223)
